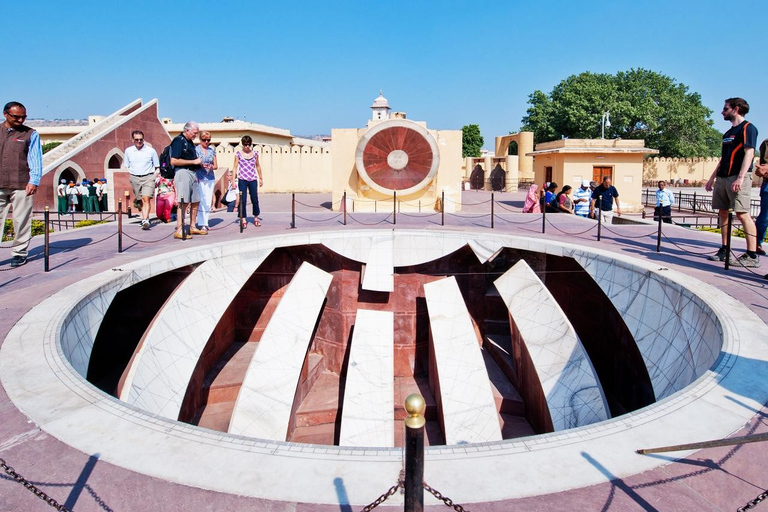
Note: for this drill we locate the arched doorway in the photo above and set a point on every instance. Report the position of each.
(115, 162)
(512, 150)
(68, 174)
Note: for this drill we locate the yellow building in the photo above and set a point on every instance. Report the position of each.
(569, 161)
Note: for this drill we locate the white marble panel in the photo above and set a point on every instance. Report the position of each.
(571, 387)
(367, 417)
(263, 406)
(159, 376)
(678, 337)
(485, 249)
(467, 406)
(379, 275)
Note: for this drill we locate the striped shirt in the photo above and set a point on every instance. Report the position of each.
(35, 159)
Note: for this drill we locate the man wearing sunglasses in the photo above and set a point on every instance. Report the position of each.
(142, 162)
(21, 167)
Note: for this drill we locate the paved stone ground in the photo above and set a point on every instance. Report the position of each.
(709, 480)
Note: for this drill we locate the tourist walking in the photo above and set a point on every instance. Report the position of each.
(532, 204)
(563, 200)
(247, 171)
(581, 199)
(166, 197)
(61, 197)
(732, 181)
(664, 201)
(185, 161)
(142, 162)
(21, 167)
(761, 223)
(206, 179)
(603, 197)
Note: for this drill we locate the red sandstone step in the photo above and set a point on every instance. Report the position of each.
(266, 314)
(315, 434)
(513, 426)
(216, 416)
(321, 404)
(228, 373)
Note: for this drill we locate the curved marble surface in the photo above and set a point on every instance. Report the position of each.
(42, 382)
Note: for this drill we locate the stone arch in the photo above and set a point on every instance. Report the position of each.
(113, 160)
(512, 149)
(69, 171)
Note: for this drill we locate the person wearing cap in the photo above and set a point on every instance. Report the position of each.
(61, 196)
(103, 195)
(82, 190)
(581, 198)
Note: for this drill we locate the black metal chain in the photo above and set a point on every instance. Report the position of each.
(445, 499)
(385, 219)
(32, 488)
(319, 220)
(390, 492)
(149, 241)
(753, 503)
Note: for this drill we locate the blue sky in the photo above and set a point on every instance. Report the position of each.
(313, 66)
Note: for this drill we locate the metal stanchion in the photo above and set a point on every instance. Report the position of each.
(128, 204)
(599, 212)
(658, 236)
(543, 215)
(394, 207)
(414, 453)
(491, 210)
(442, 208)
(47, 238)
(241, 210)
(694, 201)
(119, 225)
(293, 212)
(679, 201)
(344, 200)
(728, 241)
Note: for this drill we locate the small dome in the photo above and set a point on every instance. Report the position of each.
(380, 102)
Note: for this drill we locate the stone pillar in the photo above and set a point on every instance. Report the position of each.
(513, 174)
(488, 164)
(525, 146)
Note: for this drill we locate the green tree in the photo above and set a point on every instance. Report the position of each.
(471, 141)
(49, 146)
(643, 104)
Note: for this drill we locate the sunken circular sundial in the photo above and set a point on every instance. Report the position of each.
(397, 155)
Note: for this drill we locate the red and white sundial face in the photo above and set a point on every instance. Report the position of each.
(397, 155)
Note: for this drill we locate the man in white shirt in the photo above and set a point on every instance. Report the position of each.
(61, 195)
(581, 199)
(664, 201)
(142, 162)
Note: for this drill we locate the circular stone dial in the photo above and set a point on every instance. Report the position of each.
(397, 156)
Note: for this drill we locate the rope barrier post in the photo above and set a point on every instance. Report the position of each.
(679, 201)
(543, 215)
(694, 201)
(47, 238)
(598, 212)
(293, 212)
(119, 226)
(128, 204)
(394, 207)
(344, 198)
(658, 236)
(414, 453)
(442, 208)
(728, 240)
(491, 210)
(240, 210)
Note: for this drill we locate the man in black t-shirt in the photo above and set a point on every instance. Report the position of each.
(185, 161)
(603, 197)
(732, 180)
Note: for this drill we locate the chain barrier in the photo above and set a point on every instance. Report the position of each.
(31, 487)
(572, 234)
(16, 243)
(390, 492)
(462, 203)
(621, 235)
(385, 219)
(685, 250)
(507, 208)
(319, 220)
(316, 206)
(418, 215)
(537, 219)
(445, 499)
(149, 241)
(465, 216)
(753, 503)
(59, 246)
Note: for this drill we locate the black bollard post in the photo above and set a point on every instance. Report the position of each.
(543, 215)
(241, 211)
(344, 199)
(128, 204)
(694, 201)
(679, 201)
(491, 210)
(119, 226)
(47, 238)
(658, 235)
(293, 212)
(182, 210)
(394, 207)
(442, 208)
(599, 218)
(728, 240)
(414, 453)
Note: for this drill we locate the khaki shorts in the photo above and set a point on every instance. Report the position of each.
(143, 186)
(724, 198)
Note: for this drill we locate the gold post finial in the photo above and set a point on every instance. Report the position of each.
(414, 406)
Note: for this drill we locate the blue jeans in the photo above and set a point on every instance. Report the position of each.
(762, 220)
(249, 187)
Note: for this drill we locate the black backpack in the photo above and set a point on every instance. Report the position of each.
(166, 169)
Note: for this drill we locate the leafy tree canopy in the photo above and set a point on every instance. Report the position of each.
(471, 141)
(49, 146)
(642, 104)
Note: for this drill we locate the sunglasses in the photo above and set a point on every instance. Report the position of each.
(138, 140)
(205, 140)
(18, 118)
(246, 145)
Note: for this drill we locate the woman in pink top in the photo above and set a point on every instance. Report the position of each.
(247, 171)
(532, 200)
